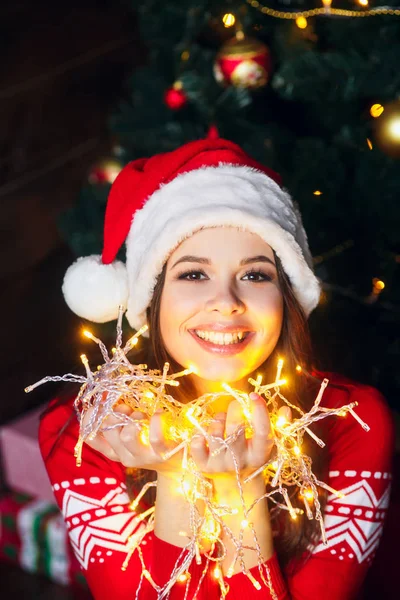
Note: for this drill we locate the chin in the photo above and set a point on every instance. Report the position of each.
(218, 373)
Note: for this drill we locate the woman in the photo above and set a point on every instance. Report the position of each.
(218, 266)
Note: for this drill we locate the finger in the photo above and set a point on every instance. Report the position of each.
(122, 408)
(100, 444)
(112, 437)
(234, 417)
(260, 444)
(285, 412)
(199, 451)
(158, 439)
(216, 431)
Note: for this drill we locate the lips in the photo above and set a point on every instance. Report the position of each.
(228, 349)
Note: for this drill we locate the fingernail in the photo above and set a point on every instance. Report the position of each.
(254, 396)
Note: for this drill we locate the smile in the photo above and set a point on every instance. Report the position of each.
(222, 339)
(223, 344)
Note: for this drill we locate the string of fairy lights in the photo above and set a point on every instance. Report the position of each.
(147, 391)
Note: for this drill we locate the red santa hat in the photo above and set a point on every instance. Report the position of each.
(155, 203)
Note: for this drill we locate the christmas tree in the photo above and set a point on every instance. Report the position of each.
(311, 91)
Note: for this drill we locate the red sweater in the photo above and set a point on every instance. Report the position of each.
(95, 506)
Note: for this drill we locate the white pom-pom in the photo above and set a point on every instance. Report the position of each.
(93, 290)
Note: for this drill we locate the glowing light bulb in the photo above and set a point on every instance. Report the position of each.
(217, 573)
(297, 451)
(244, 523)
(299, 369)
(87, 334)
(378, 284)
(317, 193)
(309, 494)
(376, 110)
(228, 20)
(183, 577)
(369, 143)
(363, 2)
(149, 395)
(301, 22)
(281, 421)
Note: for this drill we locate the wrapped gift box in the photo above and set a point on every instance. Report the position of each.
(33, 535)
(22, 462)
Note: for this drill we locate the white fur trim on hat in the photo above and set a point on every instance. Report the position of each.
(210, 197)
(93, 290)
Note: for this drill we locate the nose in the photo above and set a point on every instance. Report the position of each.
(225, 301)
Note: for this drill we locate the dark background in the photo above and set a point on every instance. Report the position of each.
(62, 71)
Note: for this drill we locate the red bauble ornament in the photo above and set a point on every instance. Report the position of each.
(175, 98)
(243, 62)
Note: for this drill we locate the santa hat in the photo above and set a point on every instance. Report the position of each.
(155, 203)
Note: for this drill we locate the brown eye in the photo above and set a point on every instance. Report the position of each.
(257, 276)
(192, 276)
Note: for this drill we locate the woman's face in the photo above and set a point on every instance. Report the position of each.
(221, 305)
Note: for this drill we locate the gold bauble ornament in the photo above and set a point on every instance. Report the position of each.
(105, 171)
(243, 62)
(387, 129)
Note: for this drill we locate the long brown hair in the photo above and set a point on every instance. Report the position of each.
(293, 538)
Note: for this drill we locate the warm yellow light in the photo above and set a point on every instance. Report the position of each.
(217, 573)
(281, 421)
(376, 110)
(378, 283)
(327, 3)
(149, 395)
(193, 369)
(183, 577)
(83, 358)
(244, 523)
(301, 22)
(144, 436)
(297, 451)
(394, 128)
(370, 146)
(185, 55)
(228, 20)
(363, 2)
(113, 350)
(275, 465)
(87, 334)
(309, 495)
(299, 369)
(317, 193)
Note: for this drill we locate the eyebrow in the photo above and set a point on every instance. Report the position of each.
(206, 261)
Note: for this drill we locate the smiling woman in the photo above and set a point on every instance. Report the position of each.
(219, 269)
(222, 317)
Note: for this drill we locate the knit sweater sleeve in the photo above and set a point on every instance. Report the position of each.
(360, 467)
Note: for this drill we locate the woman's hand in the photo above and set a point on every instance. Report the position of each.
(249, 454)
(129, 446)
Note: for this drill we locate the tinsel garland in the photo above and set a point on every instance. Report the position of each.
(146, 391)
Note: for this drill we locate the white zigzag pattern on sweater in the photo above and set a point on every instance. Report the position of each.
(355, 521)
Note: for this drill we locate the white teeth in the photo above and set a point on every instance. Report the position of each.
(220, 338)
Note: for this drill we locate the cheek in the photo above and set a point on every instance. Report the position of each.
(268, 308)
(175, 309)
